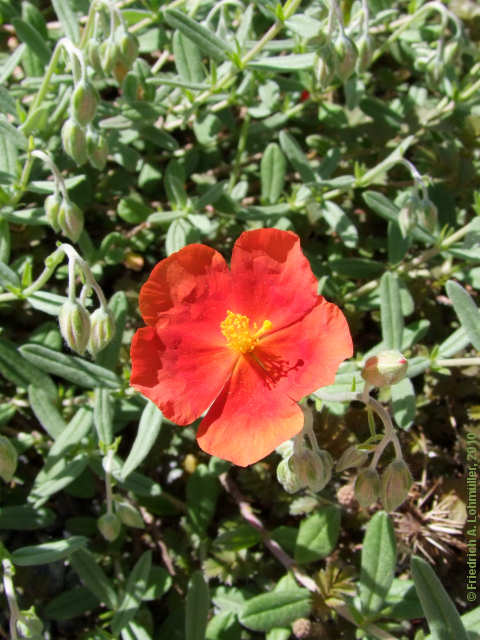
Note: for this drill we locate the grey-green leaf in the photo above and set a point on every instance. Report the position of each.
(103, 415)
(45, 411)
(442, 616)
(391, 311)
(378, 560)
(135, 588)
(317, 535)
(296, 157)
(466, 310)
(187, 58)
(272, 173)
(339, 222)
(47, 552)
(276, 609)
(403, 403)
(93, 577)
(67, 18)
(205, 39)
(148, 430)
(198, 601)
(33, 39)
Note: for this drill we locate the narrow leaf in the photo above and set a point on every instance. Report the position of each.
(47, 552)
(25, 518)
(442, 616)
(8, 277)
(296, 157)
(276, 609)
(34, 41)
(403, 403)
(198, 601)
(272, 173)
(187, 58)
(93, 577)
(466, 310)
(135, 588)
(377, 567)
(45, 411)
(103, 415)
(148, 430)
(339, 222)
(391, 311)
(205, 39)
(317, 535)
(67, 18)
(21, 372)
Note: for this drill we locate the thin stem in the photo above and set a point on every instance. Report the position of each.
(59, 181)
(457, 362)
(108, 479)
(51, 263)
(8, 586)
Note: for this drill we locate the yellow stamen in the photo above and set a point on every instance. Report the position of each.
(236, 329)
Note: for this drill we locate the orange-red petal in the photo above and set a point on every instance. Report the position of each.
(272, 278)
(180, 370)
(196, 274)
(249, 419)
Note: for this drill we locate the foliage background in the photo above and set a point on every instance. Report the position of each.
(228, 121)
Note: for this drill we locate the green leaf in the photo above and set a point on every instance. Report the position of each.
(159, 582)
(176, 236)
(148, 430)
(21, 372)
(202, 493)
(46, 411)
(242, 537)
(56, 476)
(377, 568)
(403, 403)
(11, 134)
(5, 242)
(93, 577)
(67, 18)
(188, 60)
(402, 601)
(272, 173)
(8, 277)
(296, 157)
(442, 616)
(198, 601)
(206, 40)
(466, 310)
(134, 591)
(34, 41)
(71, 368)
(47, 552)
(12, 63)
(340, 223)
(70, 604)
(291, 62)
(276, 609)
(317, 535)
(103, 415)
(455, 342)
(223, 626)
(25, 518)
(391, 311)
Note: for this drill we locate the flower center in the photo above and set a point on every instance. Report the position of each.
(237, 332)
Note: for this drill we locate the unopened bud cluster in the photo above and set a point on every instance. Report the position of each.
(391, 487)
(83, 331)
(385, 369)
(305, 468)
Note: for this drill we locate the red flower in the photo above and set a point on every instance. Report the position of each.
(250, 341)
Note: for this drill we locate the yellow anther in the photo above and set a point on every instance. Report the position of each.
(236, 329)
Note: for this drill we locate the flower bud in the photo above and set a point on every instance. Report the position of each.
(70, 220)
(324, 66)
(108, 55)
(287, 477)
(367, 487)
(396, 483)
(130, 86)
(365, 51)
(128, 514)
(52, 206)
(8, 459)
(93, 55)
(128, 47)
(346, 57)
(109, 526)
(74, 322)
(97, 148)
(84, 102)
(388, 368)
(102, 330)
(314, 469)
(29, 625)
(407, 217)
(352, 457)
(74, 141)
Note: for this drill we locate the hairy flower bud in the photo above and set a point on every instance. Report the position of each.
(396, 483)
(52, 206)
(93, 55)
(97, 148)
(128, 47)
(428, 215)
(8, 459)
(365, 51)
(352, 457)
(367, 487)
(324, 66)
(102, 330)
(74, 141)
(108, 55)
(128, 514)
(385, 369)
(287, 477)
(84, 102)
(109, 526)
(70, 220)
(407, 217)
(346, 57)
(74, 322)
